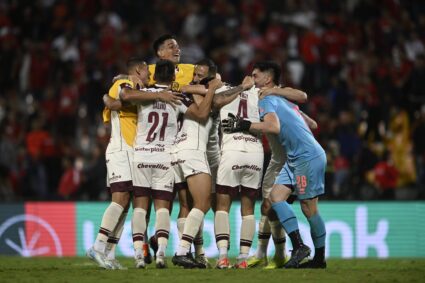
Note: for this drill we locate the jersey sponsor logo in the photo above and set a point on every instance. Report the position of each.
(249, 167)
(180, 139)
(245, 138)
(177, 162)
(152, 166)
(114, 177)
(150, 149)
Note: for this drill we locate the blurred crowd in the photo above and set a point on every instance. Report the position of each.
(362, 63)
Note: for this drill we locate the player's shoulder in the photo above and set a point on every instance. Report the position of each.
(123, 83)
(186, 67)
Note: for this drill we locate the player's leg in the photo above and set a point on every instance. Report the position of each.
(114, 239)
(162, 230)
(146, 239)
(277, 230)
(138, 224)
(264, 230)
(200, 189)
(110, 220)
(183, 192)
(247, 226)
(222, 225)
(120, 182)
(279, 240)
(287, 218)
(310, 185)
(162, 194)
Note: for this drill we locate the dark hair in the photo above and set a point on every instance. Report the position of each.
(134, 61)
(212, 67)
(160, 40)
(165, 71)
(271, 67)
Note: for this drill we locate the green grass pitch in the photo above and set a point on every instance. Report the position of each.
(80, 269)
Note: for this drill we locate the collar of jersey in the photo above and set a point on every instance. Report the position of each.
(161, 86)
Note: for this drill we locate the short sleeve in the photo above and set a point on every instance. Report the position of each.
(114, 91)
(266, 105)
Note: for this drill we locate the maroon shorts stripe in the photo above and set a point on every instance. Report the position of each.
(227, 190)
(249, 192)
(126, 186)
(180, 186)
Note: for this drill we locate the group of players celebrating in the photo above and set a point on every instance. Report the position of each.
(165, 121)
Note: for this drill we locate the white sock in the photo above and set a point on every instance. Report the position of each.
(264, 234)
(109, 222)
(138, 227)
(191, 227)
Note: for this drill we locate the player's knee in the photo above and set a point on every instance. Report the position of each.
(265, 207)
(309, 207)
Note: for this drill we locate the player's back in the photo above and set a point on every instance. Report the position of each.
(157, 126)
(295, 135)
(246, 107)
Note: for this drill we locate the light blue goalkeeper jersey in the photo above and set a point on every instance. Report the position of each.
(295, 135)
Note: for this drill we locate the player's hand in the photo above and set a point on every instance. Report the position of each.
(235, 124)
(215, 84)
(136, 81)
(247, 83)
(120, 77)
(172, 98)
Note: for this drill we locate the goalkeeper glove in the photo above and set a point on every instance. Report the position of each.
(235, 124)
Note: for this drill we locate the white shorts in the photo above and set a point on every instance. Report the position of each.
(189, 162)
(155, 179)
(119, 170)
(272, 171)
(239, 169)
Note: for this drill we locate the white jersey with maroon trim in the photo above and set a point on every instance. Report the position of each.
(246, 107)
(156, 128)
(192, 134)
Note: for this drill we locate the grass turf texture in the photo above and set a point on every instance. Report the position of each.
(80, 269)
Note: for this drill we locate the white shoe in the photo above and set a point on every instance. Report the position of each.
(115, 264)
(161, 262)
(139, 260)
(98, 257)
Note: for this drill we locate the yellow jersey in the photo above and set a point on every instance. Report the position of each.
(184, 74)
(123, 122)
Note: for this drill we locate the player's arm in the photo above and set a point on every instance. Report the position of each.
(112, 104)
(270, 125)
(225, 97)
(202, 111)
(141, 96)
(194, 89)
(290, 93)
(309, 121)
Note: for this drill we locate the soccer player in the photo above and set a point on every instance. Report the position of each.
(118, 155)
(240, 170)
(153, 175)
(167, 48)
(195, 171)
(306, 160)
(198, 138)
